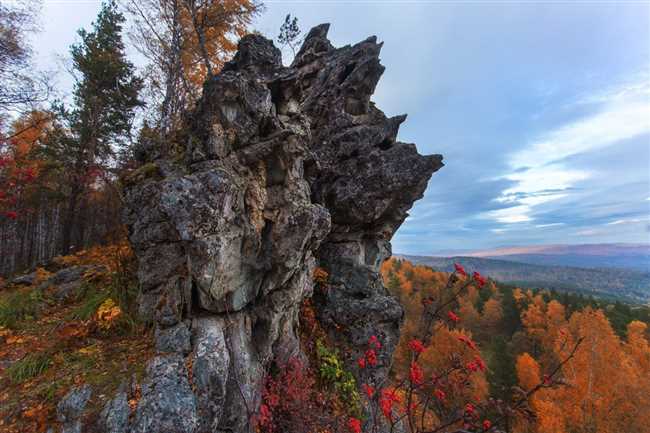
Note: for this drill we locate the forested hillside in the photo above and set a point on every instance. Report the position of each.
(524, 335)
(624, 284)
(61, 159)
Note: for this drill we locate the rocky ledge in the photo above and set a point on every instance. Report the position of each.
(278, 170)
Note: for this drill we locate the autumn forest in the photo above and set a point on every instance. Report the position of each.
(197, 239)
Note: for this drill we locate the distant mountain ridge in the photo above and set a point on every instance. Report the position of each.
(625, 284)
(620, 255)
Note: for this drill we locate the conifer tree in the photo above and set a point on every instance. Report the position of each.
(105, 99)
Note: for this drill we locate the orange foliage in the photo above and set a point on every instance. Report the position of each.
(528, 372)
(608, 379)
(447, 348)
(19, 165)
(228, 22)
(111, 256)
(492, 314)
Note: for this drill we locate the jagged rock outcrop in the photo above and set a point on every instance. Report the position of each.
(278, 170)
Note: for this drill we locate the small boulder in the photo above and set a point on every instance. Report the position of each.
(25, 280)
(67, 281)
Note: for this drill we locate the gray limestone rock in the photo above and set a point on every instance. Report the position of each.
(25, 280)
(70, 409)
(68, 280)
(173, 339)
(114, 418)
(167, 404)
(279, 169)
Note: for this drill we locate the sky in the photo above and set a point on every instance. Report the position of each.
(540, 109)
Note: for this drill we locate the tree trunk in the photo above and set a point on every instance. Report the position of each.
(69, 219)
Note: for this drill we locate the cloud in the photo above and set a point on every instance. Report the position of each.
(543, 226)
(589, 232)
(627, 221)
(617, 121)
(510, 215)
(541, 171)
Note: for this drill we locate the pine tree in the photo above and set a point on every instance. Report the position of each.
(105, 99)
(502, 374)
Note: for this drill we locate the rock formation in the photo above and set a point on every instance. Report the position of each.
(278, 170)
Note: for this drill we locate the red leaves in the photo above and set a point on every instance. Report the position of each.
(388, 398)
(373, 342)
(416, 346)
(265, 418)
(290, 392)
(440, 394)
(480, 279)
(459, 269)
(487, 424)
(468, 342)
(453, 317)
(470, 409)
(368, 389)
(416, 374)
(354, 425)
(371, 357)
(476, 365)
(11, 215)
(481, 364)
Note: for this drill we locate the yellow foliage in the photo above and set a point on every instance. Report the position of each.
(107, 313)
(89, 350)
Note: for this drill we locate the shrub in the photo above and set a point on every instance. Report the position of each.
(333, 373)
(292, 403)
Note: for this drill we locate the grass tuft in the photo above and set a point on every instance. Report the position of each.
(28, 367)
(91, 301)
(19, 305)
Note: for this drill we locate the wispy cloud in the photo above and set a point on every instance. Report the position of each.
(543, 226)
(627, 221)
(538, 171)
(623, 112)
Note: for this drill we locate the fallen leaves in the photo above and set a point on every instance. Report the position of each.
(14, 339)
(73, 330)
(38, 416)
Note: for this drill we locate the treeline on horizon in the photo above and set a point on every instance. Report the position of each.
(523, 333)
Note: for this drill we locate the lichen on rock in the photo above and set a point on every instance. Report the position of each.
(283, 169)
